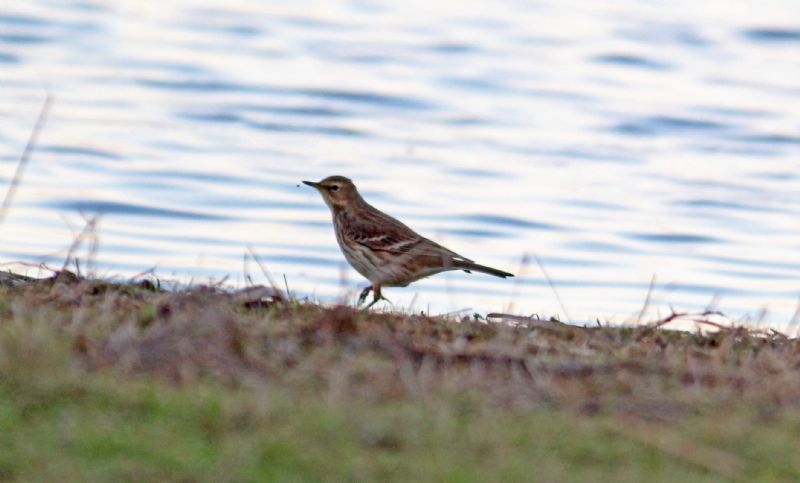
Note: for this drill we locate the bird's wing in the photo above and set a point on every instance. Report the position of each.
(393, 237)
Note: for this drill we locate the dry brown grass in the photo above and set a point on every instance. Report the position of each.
(256, 337)
(303, 390)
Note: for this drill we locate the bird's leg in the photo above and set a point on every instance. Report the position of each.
(364, 293)
(376, 296)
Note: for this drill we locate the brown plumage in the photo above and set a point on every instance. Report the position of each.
(381, 248)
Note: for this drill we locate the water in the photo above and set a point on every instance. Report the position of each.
(613, 140)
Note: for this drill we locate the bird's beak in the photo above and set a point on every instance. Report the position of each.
(312, 184)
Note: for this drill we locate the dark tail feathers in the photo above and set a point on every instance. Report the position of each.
(468, 266)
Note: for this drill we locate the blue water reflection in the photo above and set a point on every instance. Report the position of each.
(615, 142)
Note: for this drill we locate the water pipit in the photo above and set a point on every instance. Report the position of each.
(381, 248)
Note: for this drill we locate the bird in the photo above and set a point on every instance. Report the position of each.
(381, 248)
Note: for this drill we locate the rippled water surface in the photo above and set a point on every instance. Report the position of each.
(613, 140)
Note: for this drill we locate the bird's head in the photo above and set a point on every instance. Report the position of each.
(336, 190)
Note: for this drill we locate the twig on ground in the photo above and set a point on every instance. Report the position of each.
(149, 271)
(553, 287)
(88, 230)
(264, 270)
(646, 304)
(286, 284)
(529, 321)
(455, 312)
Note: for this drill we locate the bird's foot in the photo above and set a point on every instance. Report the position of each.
(363, 297)
(377, 299)
(377, 296)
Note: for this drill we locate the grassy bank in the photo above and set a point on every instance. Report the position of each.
(106, 382)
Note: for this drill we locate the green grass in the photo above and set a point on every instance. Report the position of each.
(100, 382)
(99, 429)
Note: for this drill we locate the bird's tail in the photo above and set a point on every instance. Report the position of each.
(469, 266)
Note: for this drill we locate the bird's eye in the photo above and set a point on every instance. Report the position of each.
(334, 187)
